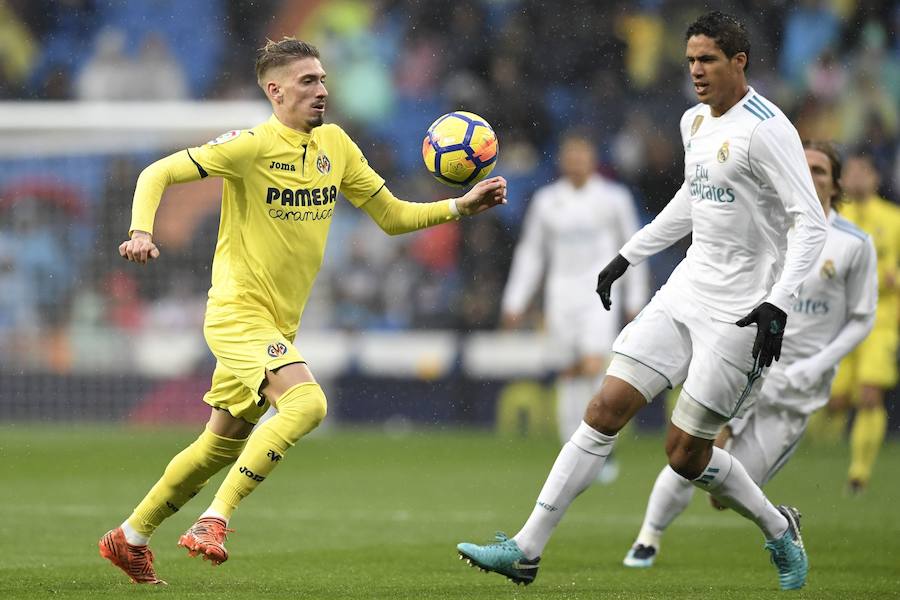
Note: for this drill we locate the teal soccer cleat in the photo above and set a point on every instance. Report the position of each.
(788, 553)
(502, 557)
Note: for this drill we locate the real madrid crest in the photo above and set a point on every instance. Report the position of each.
(722, 154)
(323, 165)
(696, 124)
(828, 270)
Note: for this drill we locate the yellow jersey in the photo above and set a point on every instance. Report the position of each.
(881, 220)
(280, 191)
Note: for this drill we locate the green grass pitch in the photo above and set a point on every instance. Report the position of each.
(360, 514)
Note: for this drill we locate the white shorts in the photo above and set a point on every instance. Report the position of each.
(575, 334)
(766, 438)
(676, 338)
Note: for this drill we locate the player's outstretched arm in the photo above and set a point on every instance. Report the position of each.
(484, 195)
(396, 216)
(140, 248)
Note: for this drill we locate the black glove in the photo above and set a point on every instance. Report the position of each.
(770, 321)
(615, 269)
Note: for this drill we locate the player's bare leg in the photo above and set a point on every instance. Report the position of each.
(576, 467)
(293, 392)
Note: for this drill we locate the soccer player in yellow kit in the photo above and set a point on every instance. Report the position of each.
(870, 370)
(282, 179)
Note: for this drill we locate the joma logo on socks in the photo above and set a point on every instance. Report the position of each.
(273, 456)
(251, 474)
(547, 507)
(172, 507)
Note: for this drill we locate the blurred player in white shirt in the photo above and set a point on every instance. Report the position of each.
(719, 320)
(834, 312)
(572, 226)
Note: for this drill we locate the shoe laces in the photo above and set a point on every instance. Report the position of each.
(212, 529)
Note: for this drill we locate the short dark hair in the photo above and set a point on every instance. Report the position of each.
(864, 154)
(834, 157)
(275, 54)
(728, 33)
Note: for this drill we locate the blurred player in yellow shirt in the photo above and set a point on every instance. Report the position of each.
(282, 179)
(869, 371)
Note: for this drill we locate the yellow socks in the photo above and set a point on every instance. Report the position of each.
(185, 475)
(866, 438)
(300, 410)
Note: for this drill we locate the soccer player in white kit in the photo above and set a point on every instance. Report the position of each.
(833, 313)
(572, 226)
(746, 183)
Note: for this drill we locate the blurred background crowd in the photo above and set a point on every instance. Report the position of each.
(534, 69)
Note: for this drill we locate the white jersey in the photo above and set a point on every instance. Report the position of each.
(572, 233)
(841, 287)
(746, 184)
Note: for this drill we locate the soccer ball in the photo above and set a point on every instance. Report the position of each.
(460, 149)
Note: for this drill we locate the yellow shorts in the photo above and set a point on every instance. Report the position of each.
(245, 343)
(873, 362)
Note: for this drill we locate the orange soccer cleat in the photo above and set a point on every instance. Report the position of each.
(206, 537)
(135, 561)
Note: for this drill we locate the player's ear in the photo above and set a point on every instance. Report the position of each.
(274, 92)
(740, 59)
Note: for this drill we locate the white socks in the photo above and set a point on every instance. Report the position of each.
(727, 480)
(132, 536)
(670, 496)
(576, 467)
(209, 512)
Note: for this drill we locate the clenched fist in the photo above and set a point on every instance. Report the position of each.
(140, 248)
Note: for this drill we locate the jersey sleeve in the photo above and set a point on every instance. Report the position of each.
(862, 282)
(360, 181)
(528, 262)
(152, 182)
(230, 155)
(669, 226)
(862, 298)
(778, 160)
(395, 216)
(636, 279)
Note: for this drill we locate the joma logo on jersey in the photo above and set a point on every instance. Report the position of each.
(302, 197)
(280, 166)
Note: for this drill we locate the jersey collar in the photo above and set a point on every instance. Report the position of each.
(291, 136)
